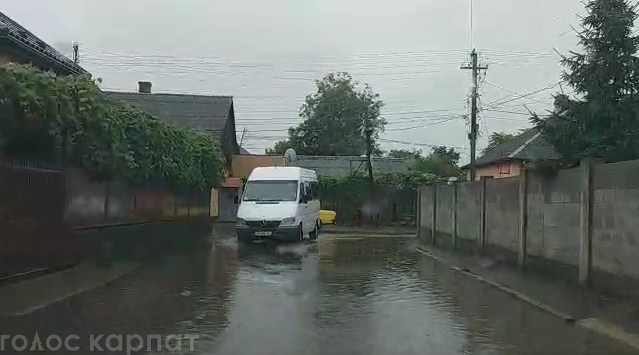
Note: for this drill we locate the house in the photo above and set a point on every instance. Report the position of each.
(508, 159)
(18, 45)
(200, 113)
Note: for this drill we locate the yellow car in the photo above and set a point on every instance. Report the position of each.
(327, 217)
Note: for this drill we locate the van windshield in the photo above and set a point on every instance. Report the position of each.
(267, 190)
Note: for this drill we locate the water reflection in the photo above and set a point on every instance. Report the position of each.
(336, 296)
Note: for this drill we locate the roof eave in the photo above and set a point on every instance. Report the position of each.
(45, 59)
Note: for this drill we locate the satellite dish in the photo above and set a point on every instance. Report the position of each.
(289, 156)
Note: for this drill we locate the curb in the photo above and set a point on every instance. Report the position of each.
(595, 325)
(564, 316)
(354, 231)
(90, 287)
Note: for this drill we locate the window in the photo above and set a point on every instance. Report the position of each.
(315, 190)
(504, 168)
(308, 191)
(282, 190)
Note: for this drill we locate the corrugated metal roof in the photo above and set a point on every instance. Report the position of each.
(22, 37)
(196, 112)
(530, 146)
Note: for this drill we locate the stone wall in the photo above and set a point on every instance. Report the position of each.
(559, 228)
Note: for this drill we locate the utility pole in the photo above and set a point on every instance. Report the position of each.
(76, 52)
(369, 152)
(473, 110)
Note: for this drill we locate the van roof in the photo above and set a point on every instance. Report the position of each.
(281, 173)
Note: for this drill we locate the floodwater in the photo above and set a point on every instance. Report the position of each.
(339, 295)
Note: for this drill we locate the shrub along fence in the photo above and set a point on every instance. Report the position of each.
(581, 223)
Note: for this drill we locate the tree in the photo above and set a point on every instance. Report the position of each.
(446, 155)
(496, 139)
(442, 162)
(336, 119)
(602, 121)
(279, 148)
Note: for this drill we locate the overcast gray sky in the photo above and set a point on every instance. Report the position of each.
(267, 53)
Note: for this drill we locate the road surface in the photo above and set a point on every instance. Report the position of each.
(343, 294)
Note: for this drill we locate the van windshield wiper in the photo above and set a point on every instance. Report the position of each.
(264, 199)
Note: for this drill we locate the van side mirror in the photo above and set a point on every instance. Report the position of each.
(304, 199)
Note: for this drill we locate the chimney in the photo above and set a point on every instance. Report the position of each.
(144, 87)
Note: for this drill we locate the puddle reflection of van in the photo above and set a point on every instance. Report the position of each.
(279, 203)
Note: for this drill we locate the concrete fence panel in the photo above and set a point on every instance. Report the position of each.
(444, 218)
(426, 203)
(469, 210)
(502, 213)
(553, 216)
(616, 218)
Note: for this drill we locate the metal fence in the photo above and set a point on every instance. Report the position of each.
(388, 206)
(33, 235)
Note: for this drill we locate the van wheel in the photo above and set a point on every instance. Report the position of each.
(300, 236)
(315, 233)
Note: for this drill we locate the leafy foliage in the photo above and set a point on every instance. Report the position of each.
(496, 139)
(336, 118)
(358, 186)
(603, 121)
(69, 120)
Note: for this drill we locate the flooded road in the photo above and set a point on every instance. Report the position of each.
(341, 295)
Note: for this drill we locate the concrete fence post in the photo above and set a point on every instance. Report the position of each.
(523, 217)
(433, 231)
(482, 215)
(454, 216)
(418, 220)
(585, 222)
(107, 197)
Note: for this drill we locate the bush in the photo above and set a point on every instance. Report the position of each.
(68, 120)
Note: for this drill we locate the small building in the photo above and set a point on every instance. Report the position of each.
(201, 113)
(340, 166)
(19, 45)
(508, 158)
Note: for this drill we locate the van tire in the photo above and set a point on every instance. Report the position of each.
(315, 233)
(300, 236)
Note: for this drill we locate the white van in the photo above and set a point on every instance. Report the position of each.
(279, 203)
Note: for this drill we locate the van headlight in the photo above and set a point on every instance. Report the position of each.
(288, 222)
(240, 223)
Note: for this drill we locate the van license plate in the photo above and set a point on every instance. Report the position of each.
(263, 234)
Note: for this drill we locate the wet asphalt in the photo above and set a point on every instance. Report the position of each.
(343, 294)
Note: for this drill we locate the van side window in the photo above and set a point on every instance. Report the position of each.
(301, 194)
(308, 192)
(315, 190)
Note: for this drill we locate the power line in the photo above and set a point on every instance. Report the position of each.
(422, 144)
(512, 92)
(500, 102)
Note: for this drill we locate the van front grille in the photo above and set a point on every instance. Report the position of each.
(263, 224)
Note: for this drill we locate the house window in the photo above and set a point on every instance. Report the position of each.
(504, 169)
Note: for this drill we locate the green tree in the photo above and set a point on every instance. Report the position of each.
(496, 139)
(336, 118)
(602, 121)
(447, 155)
(279, 148)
